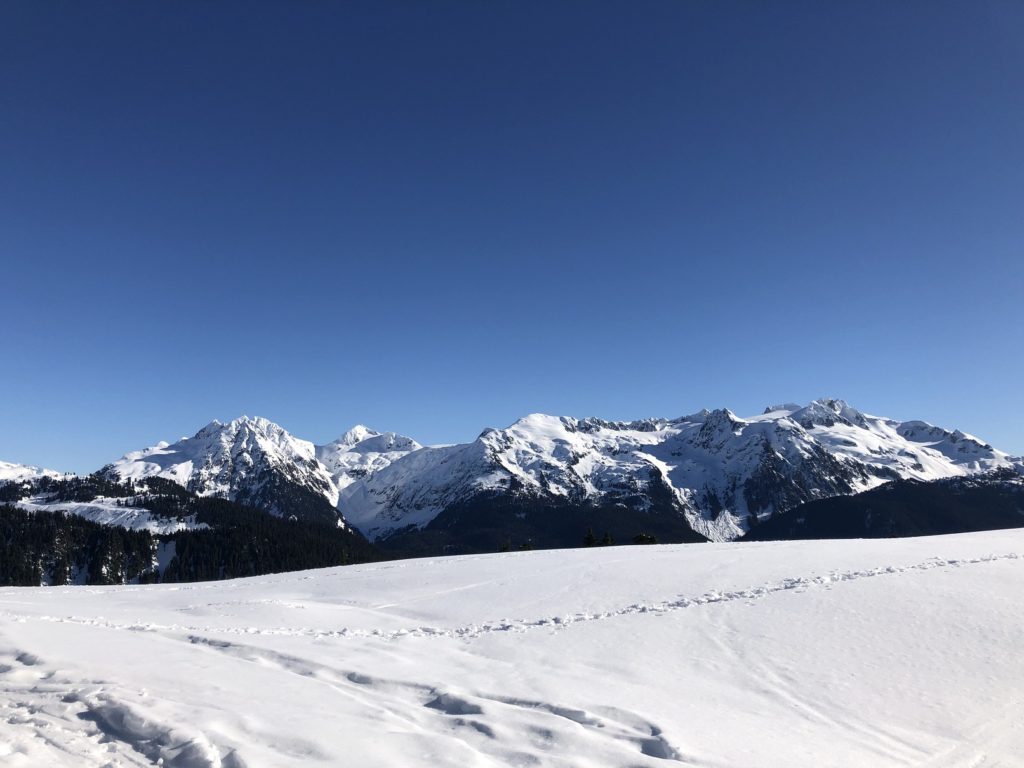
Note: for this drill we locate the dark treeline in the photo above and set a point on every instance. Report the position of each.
(250, 542)
(71, 488)
(987, 502)
(57, 548)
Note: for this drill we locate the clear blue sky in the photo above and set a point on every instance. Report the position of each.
(435, 217)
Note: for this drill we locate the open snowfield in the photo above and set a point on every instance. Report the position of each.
(850, 653)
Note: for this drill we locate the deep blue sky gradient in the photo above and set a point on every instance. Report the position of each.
(435, 217)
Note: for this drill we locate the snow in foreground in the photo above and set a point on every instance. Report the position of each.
(853, 653)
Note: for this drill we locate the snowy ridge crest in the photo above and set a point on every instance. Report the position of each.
(722, 472)
(716, 471)
(19, 473)
(249, 460)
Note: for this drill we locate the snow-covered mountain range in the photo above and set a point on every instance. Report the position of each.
(719, 471)
(712, 472)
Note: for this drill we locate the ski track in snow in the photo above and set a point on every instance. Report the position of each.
(470, 631)
(886, 745)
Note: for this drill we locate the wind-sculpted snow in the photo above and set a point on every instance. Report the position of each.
(775, 655)
(83, 723)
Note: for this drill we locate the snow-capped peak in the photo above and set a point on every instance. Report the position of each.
(248, 460)
(361, 451)
(22, 472)
(717, 471)
(357, 434)
(824, 411)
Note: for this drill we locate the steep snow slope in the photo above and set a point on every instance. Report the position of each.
(249, 460)
(718, 469)
(779, 655)
(361, 452)
(104, 511)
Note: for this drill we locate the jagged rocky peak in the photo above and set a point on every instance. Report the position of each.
(722, 418)
(824, 412)
(718, 426)
(365, 440)
(250, 460)
(696, 417)
(592, 424)
(257, 430)
(357, 434)
(212, 428)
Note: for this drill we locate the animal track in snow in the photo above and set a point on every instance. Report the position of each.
(43, 706)
(470, 631)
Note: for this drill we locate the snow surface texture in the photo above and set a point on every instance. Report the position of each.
(843, 654)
